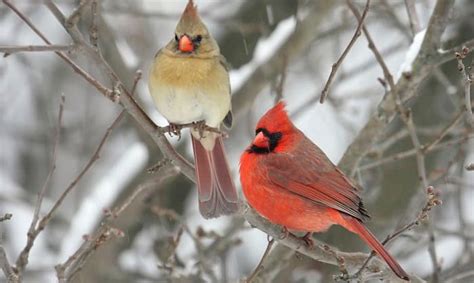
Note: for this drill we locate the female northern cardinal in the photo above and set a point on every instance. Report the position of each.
(291, 182)
(189, 83)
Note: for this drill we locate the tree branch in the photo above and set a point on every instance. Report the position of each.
(34, 230)
(8, 50)
(335, 66)
(10, 274)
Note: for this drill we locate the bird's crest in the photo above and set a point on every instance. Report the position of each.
(190, 22)
(190, 11)
(276, 119)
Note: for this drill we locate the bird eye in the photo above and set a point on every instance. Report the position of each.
(198, 38)
(176, 37)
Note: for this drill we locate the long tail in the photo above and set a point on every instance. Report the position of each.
(216, 190)
(357, 227)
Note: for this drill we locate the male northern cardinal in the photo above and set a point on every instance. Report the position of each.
(291, 182)
(189, 83)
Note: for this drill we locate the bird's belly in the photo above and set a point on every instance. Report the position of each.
(178, 105)
(186, 105)
(289, 210)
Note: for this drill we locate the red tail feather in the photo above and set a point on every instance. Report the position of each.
(357, 227)
(216, 190)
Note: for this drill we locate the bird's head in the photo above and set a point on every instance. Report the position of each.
(191, 35)
(273, 131)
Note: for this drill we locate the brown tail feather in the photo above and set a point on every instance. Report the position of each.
(359, 228)
(216, 190)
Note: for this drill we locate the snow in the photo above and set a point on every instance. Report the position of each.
(411, 54)
(103, 195)
(263, 51)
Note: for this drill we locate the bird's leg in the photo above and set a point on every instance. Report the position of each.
(284, 233)
(308, 239)
(174, 129)
(200, 126)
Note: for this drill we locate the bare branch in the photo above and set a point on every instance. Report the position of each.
(102, 89)
(74, 263)
(467, 81)
(432, 201)
(90, 245)
(335, 66)
(93, 30)
(10, 274)
(405, 86)
(8, 50)
(412, 152)
(33, 230)
(303, 35)
(320, 251)
(75, 16)
(259, 266)
(413, 17)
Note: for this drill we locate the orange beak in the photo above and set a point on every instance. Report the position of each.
(261, 140)
(185, 44)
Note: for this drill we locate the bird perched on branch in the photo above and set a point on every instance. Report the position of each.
(291, 182)
(189, 82)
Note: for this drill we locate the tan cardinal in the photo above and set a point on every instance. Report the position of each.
(189, 82)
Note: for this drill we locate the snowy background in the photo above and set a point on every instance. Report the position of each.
(249, 33)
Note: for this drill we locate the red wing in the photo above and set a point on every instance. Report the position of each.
(307, 172)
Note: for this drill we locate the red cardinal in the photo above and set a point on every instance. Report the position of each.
(291, 182)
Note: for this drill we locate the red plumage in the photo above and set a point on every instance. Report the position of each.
(291, 182)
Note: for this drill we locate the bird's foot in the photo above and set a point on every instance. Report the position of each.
(200, 126)
(308, 239)
(174, 129)
(284, 233)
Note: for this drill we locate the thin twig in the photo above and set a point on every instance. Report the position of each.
(467, 81)
(281, 83)
(74, 263)
(101, 88)
(90, 245)
(335, 66)
(8, 50)
(344, 276)
(34, 230)
(259, 266)
(126, 99)
(420, 156)
(93, 30)
(10, 274)
(413, 16)
(75, 16)
(412, 152)
(432, 201)
(114, 213)
(406, 116)
(428, 147)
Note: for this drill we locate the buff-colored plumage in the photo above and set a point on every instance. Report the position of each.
(189, 82)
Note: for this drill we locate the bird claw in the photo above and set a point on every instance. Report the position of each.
(200, 126)
(174, 129)
(284, 233)
(307, 238)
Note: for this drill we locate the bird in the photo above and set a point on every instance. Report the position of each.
(189, 83)
(291, 182)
